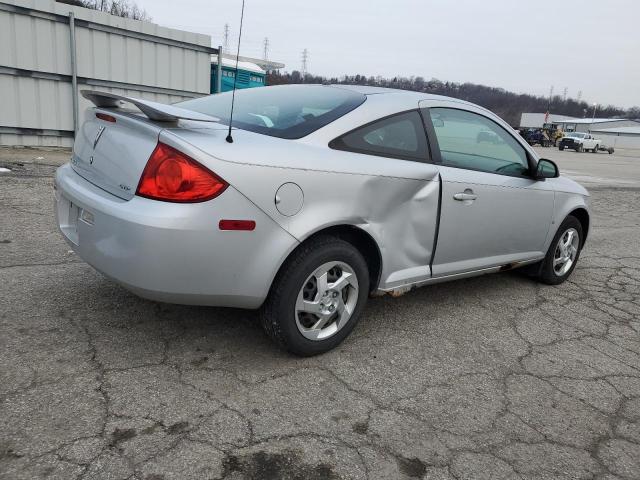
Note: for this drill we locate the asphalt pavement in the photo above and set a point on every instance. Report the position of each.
(495, 377)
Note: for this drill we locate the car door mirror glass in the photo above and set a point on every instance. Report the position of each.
(547, 169)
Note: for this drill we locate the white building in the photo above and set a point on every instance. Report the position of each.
(537, 120)
(589, 125)
(619, 137)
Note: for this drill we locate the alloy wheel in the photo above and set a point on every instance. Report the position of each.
(566, 252)
(326, 300)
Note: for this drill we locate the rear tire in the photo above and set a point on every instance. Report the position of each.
(553, 270)
(561, 148)
(299, 287)
(595, 149)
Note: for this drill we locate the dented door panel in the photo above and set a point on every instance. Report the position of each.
(397, 206)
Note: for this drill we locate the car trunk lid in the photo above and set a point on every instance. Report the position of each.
(113, 154)
(113, 145)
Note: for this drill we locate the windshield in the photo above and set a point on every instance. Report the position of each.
(576, 135)
(287, 111)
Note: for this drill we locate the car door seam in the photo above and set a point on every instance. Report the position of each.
(437, 229)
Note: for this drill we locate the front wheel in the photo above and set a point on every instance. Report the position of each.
(563, 253)
(580, 149)
(317, 297)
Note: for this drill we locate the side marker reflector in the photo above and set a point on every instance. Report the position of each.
(247, 225)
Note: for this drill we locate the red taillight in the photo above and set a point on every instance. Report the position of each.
(172, 176)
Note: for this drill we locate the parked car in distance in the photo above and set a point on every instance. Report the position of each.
(580, 142)
(535, 136)
(323, 196)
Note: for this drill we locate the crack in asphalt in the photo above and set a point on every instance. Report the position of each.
(497, 377)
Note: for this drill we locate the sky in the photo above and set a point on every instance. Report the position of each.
(591, 46)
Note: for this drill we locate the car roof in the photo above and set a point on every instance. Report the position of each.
(395, 95)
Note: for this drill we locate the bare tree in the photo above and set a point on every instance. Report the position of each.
(119, 8)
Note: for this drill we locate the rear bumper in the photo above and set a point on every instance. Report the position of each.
(172, 252)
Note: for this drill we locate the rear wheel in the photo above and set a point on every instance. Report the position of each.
(563, 253)
(317, 297)
(561, 147)
(595, 149)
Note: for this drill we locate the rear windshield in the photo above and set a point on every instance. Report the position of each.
(290, 111)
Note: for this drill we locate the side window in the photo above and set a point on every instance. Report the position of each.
(399, 136)
(472, 141)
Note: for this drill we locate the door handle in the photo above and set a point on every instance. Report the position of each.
(465, 196)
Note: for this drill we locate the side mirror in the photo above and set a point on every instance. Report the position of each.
(546, 169)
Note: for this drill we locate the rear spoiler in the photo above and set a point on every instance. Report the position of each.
(160, 112)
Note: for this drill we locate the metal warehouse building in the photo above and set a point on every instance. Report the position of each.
(619, 137)
(537, 120)
(590, 125)
(615, 132)
(49, 51)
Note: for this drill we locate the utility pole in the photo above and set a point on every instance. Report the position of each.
(265, 52)
(579, 96)
(225, 43)
(564, 94)
(305, 60)
(595, 107)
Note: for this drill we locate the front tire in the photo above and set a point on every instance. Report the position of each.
(317, 297)
(563, 253)
(580, 149)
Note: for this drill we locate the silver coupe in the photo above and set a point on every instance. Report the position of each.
(322, 196)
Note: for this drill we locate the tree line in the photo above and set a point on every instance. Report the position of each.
(119, 8)
(508, 105)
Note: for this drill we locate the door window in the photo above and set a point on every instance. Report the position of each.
(472, 141)
(400, 136)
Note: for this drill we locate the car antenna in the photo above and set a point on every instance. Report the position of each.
(235, 76)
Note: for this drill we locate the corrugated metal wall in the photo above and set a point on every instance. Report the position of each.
(112, 54)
